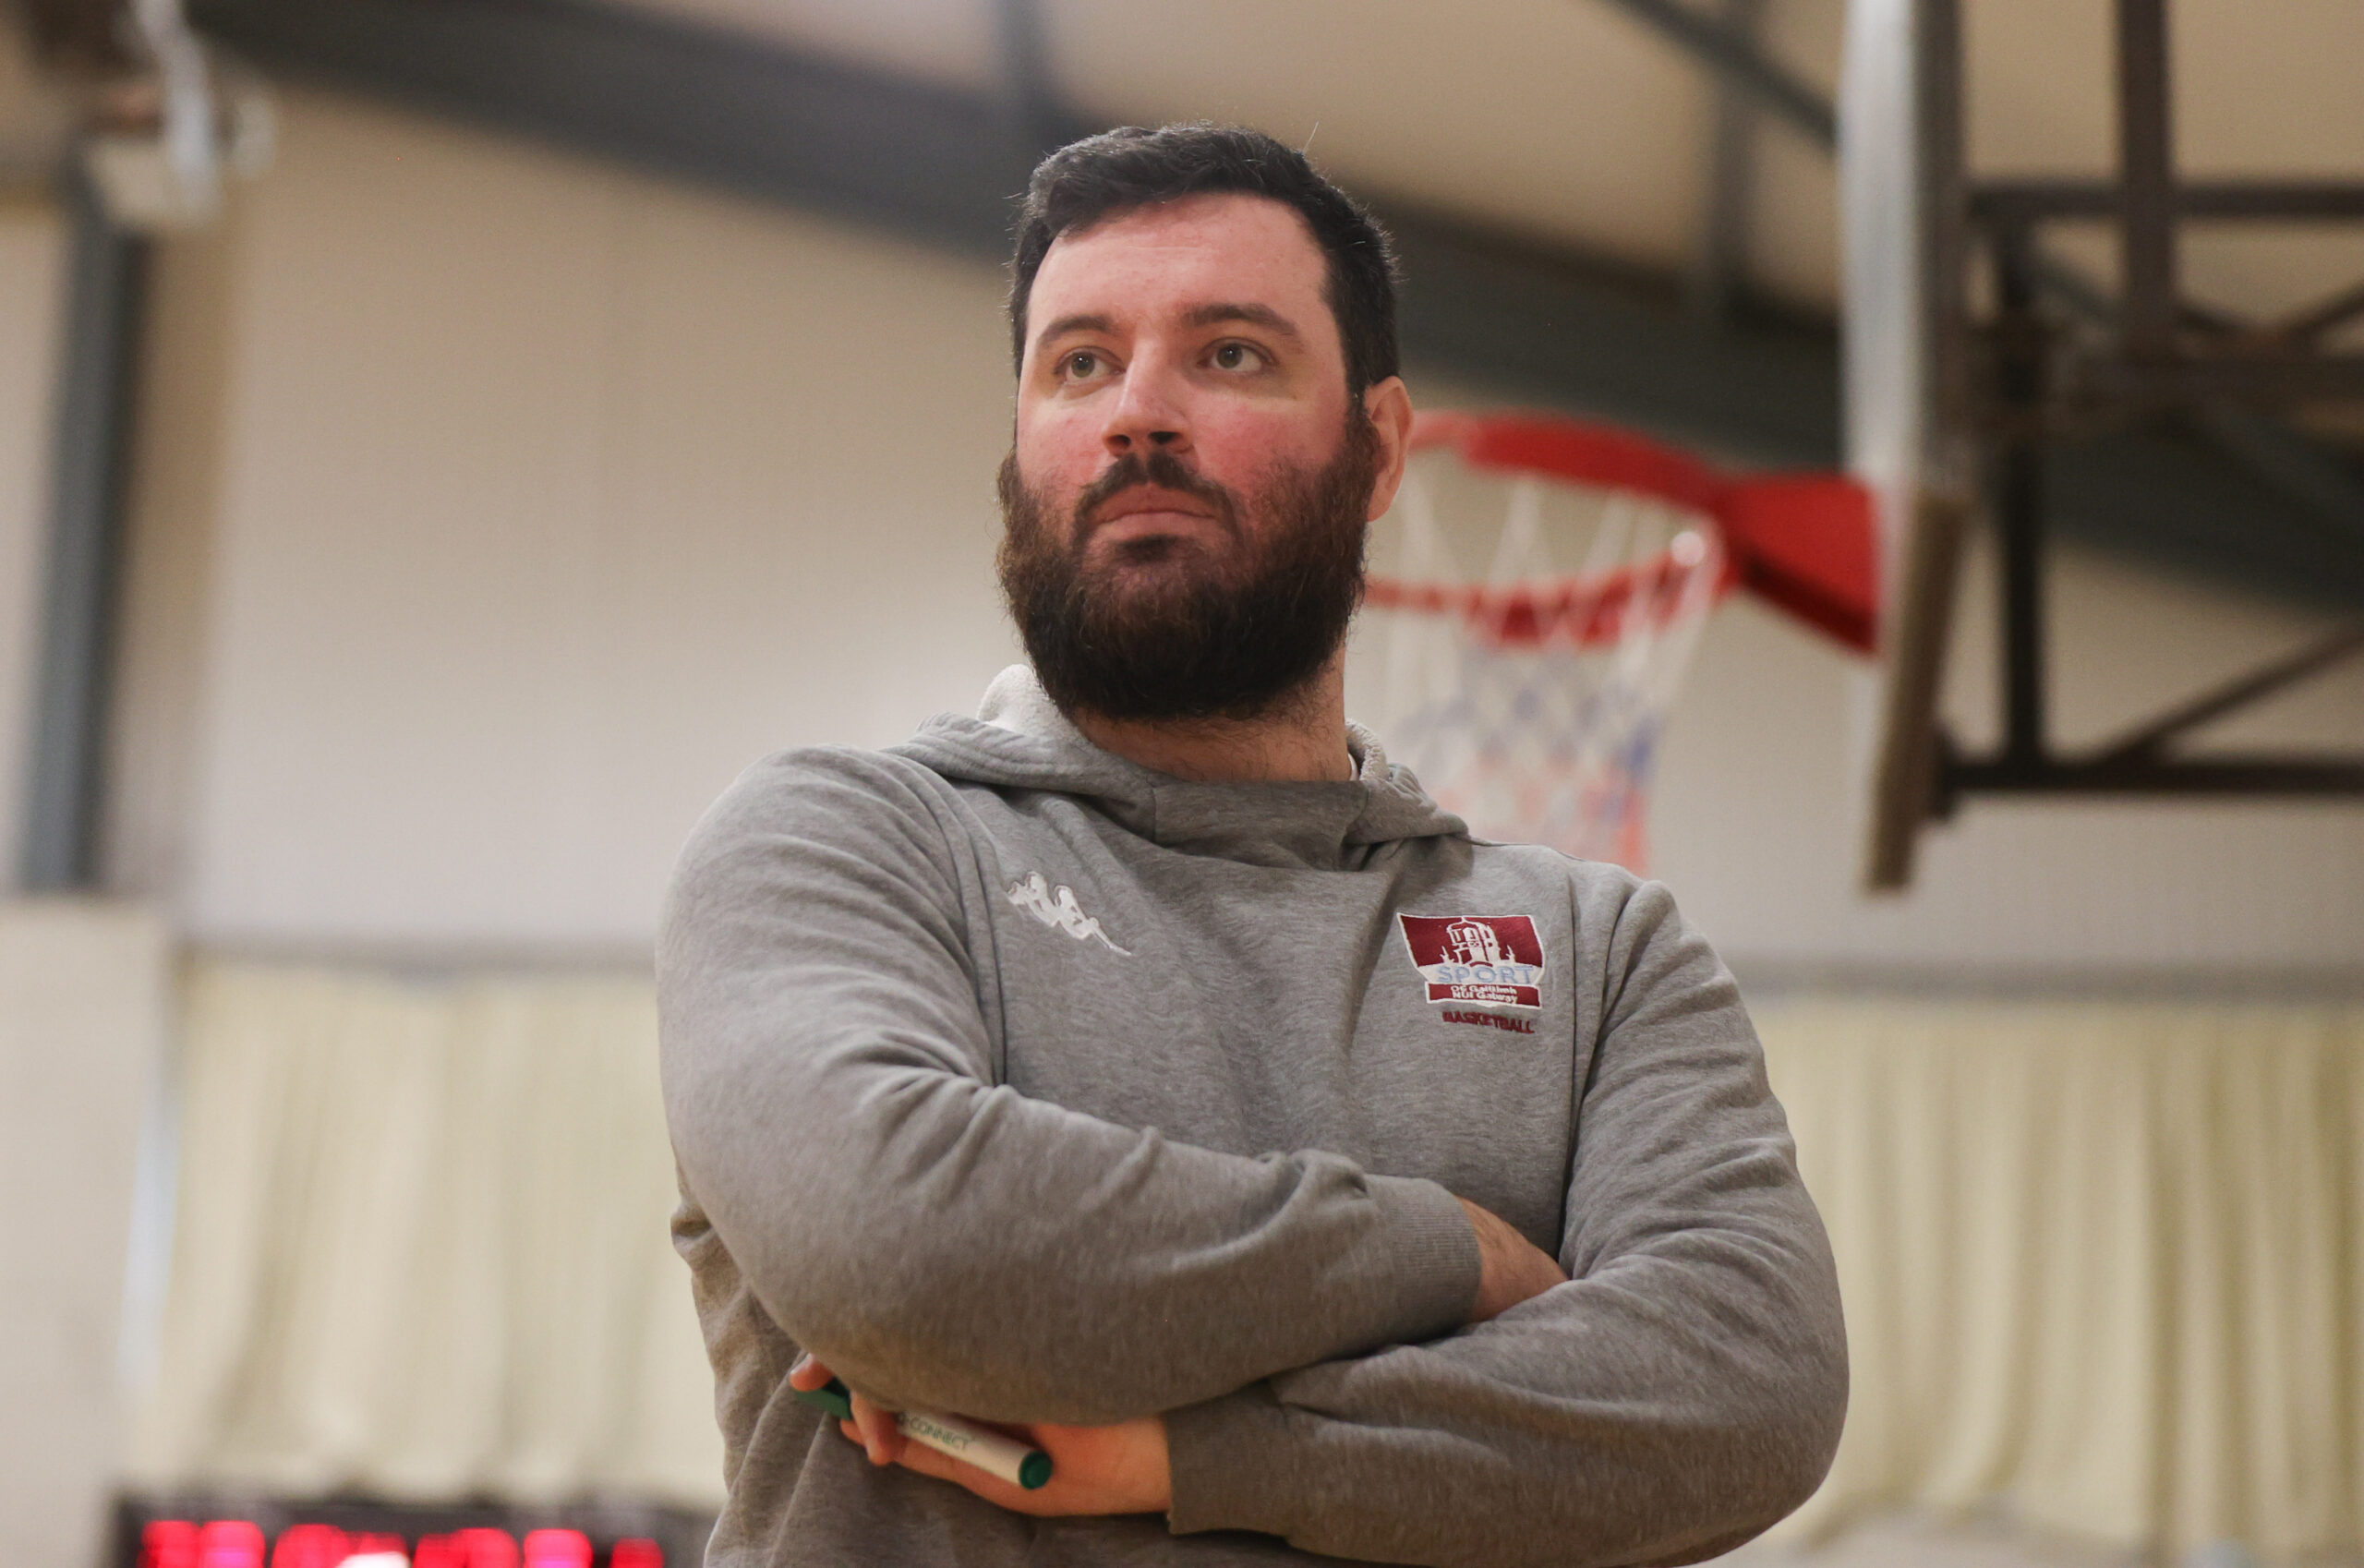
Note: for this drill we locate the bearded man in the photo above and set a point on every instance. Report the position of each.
(1071, 1068)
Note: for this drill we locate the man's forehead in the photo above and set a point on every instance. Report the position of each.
(1176, 255)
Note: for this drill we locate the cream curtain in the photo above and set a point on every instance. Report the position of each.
(421, 1244)
(2100, 1261)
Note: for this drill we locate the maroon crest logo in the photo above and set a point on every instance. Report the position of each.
(1487, 960)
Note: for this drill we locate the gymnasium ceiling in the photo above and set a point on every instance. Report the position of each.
(1572, 122)
(1547, 165)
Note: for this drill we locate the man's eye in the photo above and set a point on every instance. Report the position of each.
(1080, 364)
(1235, 356)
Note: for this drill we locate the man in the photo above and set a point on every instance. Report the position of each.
(1070, 1067)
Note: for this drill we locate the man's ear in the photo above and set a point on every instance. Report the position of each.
(1389, 404)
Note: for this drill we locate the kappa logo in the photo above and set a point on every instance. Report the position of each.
(1484, 961)
(1057, 907)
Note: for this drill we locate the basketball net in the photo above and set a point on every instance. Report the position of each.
(1529, 700)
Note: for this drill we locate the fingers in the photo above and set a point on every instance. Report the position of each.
(925, 1460)
(872, 1426)
(874, 1429)
(993, 1488)
(853, 1434)
(1048, 1502)
(1511, 1268)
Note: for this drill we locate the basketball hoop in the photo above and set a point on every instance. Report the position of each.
(1529, 700)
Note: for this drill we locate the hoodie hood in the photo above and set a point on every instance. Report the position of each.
(1019, 740)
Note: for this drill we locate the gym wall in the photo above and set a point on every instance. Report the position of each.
(545, 499)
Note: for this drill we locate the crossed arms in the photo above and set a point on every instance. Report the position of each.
(1302, 1329)
(1128, 1468)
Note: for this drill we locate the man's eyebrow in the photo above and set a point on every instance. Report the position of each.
(1089, 321)
(1256, 315)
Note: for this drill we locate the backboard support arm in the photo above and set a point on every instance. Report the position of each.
(2147, 353)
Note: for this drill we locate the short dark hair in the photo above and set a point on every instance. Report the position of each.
(1121, 170)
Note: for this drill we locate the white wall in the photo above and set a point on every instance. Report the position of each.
(548, 497)
(1754, 819)
(84, 994)
(31, 246)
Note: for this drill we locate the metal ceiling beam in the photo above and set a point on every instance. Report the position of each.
(675, 98)
(1733, 53)
(2147, 315)
(1536, 324)
(1037, 119)
(1719, 257)
(2033, 200)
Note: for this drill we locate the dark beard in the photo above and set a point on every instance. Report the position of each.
(1235, 639)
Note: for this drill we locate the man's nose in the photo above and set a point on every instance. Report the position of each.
(1146, 416)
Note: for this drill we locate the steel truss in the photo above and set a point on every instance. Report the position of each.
(2053, 359)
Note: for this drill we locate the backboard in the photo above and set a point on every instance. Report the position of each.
(1902, 221)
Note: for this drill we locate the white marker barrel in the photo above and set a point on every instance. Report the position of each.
(1016, 1463)
(989, 1450)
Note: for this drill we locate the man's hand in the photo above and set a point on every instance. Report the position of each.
(1124, 1468)
(1118, 1469)
(1513, 1269)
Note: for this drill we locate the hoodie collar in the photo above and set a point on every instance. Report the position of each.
(1021, 739)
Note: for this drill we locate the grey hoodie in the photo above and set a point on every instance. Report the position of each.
(1018, 1080)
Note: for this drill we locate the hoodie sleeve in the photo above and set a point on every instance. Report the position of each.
(1683, 1390)
(939, 1239)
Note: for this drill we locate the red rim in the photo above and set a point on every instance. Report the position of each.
(1804, 542)
(1584, 610)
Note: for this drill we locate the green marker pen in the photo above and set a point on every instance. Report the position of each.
(989, 1450)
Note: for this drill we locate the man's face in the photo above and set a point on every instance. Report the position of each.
(1188, 487)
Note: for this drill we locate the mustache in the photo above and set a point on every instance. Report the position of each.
(1163, 470)
(1227, 638)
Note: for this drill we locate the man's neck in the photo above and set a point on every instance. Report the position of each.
(1301, 740)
